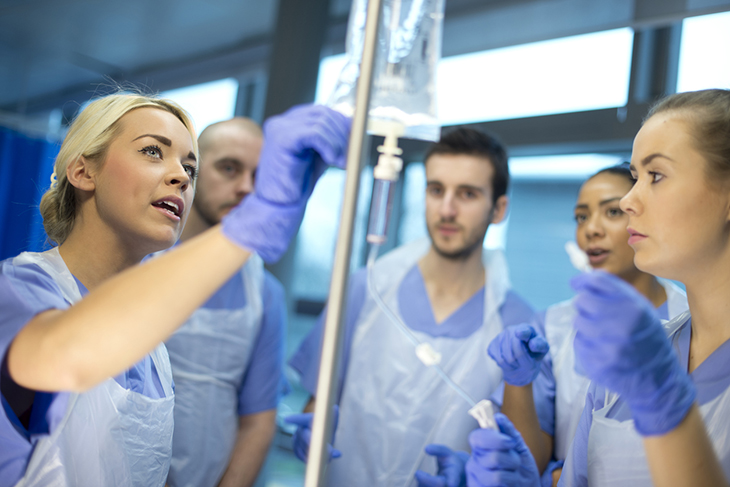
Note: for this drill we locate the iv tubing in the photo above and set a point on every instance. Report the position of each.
(404, 329)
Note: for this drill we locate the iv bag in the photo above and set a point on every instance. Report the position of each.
(404, 71)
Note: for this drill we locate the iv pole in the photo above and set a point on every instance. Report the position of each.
(332, 338)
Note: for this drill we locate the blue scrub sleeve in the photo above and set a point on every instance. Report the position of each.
(546, 479)
(305, 360)
(24, 292)
(264, 382)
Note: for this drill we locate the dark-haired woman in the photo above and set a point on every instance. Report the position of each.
(559, 392)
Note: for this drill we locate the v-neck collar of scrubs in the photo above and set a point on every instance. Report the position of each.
(712, 373)
(415, 308)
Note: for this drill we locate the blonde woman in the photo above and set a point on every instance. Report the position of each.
(86, 385)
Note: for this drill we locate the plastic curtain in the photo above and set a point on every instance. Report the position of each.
(26, 165)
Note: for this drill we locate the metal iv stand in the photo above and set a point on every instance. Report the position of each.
(333, 336)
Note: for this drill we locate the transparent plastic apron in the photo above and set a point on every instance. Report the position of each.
(109, 435)
(392, 405)
(616, 454)
(571, 387)
(209, 355)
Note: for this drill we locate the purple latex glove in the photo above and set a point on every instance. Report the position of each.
(303, 434)
(500, 458)
(451, 465)
(621, 344)
(298, 147)
(518, 350)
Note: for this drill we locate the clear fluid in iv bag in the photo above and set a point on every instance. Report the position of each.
(404, 73)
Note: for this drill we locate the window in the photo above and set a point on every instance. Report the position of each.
(584, 72)
(575, 167)
(329, 71)
(704, 55)
(207, 103)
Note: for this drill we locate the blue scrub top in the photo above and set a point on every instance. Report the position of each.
(710, 379)
(26, 291)
(263, 382)
(416, 311)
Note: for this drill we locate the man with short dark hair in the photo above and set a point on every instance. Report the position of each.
(452, 294)
(227, 358)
